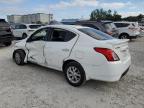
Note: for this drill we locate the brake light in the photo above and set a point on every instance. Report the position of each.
(108, 53)
(110, 33)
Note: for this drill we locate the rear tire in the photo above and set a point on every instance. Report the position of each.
(124, 36)
(19, 57)
(7, 43)
(74, 74)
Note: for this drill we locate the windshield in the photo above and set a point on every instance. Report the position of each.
(96, 34)
(34, 26)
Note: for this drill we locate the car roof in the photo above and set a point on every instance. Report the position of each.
(125, 22)
(66, 26)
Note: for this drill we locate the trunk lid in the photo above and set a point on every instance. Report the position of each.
(120, 47)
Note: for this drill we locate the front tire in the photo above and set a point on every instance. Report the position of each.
(74, 74)
(19, 57)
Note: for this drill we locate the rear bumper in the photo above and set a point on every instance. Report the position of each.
(115, 35)
(133, 37)
(109, 72)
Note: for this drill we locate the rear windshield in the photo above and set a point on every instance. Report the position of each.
(135, 25)
(109, 26)
(96, 34)
(34, 26)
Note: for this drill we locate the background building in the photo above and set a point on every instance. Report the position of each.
(14, 18)
(39, 18)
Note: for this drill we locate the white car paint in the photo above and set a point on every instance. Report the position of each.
(132, 31)
(80, 49)
(18, 31)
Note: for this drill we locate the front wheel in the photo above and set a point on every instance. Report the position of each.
(19, 57)
(74, 74)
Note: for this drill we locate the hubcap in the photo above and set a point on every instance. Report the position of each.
(73, 74)
(124, 37)
(17, 58)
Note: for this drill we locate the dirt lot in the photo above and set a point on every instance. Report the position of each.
(32, 86)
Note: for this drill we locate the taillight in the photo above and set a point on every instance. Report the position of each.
(110, 33)
(108, 53)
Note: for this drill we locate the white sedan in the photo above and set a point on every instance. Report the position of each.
(82, 53)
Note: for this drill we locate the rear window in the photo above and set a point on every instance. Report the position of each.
(96, 34)
(118, 25)
(90, 25)
(135, 25)
(34, 26)
(109, 26)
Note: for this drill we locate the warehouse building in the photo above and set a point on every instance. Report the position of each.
(39, 18)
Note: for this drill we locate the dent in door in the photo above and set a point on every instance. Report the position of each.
(36, 52)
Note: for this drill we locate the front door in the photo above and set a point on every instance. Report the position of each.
(35, 46)
(59, 47)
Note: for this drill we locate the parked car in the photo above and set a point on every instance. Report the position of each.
(104, 26)
(6, 36)
(82, 53)
(55, 23)
(23, 30)
(128, 30)
(141, 25)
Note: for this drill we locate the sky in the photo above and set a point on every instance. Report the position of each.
(65, 9)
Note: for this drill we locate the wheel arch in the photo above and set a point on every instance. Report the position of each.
(24, 33)
(68, 61)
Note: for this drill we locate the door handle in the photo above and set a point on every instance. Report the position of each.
(65, 50)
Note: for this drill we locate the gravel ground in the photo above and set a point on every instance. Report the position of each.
(33, 86)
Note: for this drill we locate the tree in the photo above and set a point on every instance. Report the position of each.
(140, 17)
(116, 16)
(98, 14)
(101, 14)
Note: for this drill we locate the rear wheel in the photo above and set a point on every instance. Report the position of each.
(124, 36)
(7, 43)
(19, 57)
(74, 74)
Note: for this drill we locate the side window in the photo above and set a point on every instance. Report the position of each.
(39, 35)
(17, 27)
(60, 35)
(22, 27)
(90, 25)
(118, 25)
